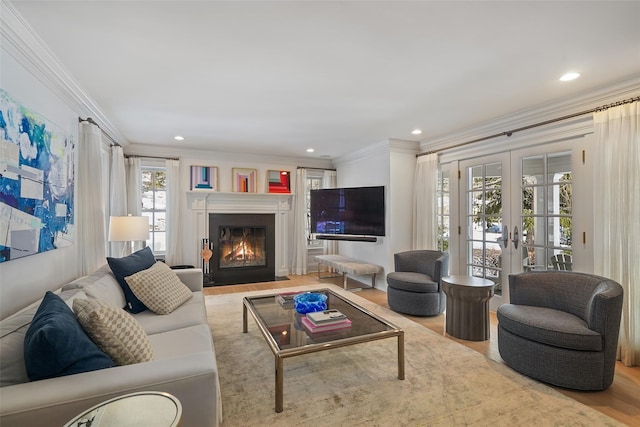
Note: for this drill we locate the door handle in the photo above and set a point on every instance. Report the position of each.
(505, 236)
(516, 237)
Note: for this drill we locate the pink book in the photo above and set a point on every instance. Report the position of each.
(325, 328)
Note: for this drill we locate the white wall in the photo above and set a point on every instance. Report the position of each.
(370, 167)
(25, 280)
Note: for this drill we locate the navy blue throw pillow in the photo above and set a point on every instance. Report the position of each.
(126, 266)
(56, 345)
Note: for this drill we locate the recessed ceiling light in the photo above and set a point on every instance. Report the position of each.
(310, 150)
(569, 76)
(178, 138)
(416, 132)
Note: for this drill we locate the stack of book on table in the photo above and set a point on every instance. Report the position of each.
(325, 321)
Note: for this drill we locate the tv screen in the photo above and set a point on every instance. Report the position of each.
(352, 211)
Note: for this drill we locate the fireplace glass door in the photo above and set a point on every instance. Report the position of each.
(242, 247)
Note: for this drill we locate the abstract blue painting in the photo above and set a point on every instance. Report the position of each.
(36, 182)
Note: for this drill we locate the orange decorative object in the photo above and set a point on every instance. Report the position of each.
(206, 254)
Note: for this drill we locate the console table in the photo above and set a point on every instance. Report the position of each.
(346, 265)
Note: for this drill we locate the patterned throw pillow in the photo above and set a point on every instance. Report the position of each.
(159, 288)
(114, 330)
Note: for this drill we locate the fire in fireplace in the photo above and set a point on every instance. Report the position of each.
(243, 248)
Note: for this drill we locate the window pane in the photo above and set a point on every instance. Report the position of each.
(533, 170)
(161, 200)
(159, 221)
(559, 167)
(160, 180)
(147, 200)
(159, 242)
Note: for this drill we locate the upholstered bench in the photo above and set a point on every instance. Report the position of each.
(345, 266)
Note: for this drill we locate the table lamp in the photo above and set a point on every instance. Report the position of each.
(128, 229)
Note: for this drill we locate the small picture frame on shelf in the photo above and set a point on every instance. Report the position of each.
(244, 180)
(278, 181)
(204, 178)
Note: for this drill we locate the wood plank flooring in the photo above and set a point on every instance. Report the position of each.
(621, 401)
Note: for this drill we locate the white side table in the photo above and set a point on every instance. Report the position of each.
(468, 306)
(147, 408)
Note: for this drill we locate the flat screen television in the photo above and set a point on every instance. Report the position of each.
(357, 211)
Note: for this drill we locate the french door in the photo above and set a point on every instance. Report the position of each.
(516, 214)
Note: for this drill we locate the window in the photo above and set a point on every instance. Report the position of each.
(442, 195)
(154, 206)
(546, 218)
(313, 183)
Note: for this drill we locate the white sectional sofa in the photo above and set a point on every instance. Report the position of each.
(183, 364)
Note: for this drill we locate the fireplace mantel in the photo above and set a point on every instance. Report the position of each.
(202, 203)
(239, 202)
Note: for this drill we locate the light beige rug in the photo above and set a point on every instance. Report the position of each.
(446, 384)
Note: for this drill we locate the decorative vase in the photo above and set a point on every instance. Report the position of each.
(310, 302)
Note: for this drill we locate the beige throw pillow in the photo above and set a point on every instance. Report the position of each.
(115, 331)
(159, 288)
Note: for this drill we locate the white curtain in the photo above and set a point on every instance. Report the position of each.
(134, 190)
(91, 210)
(424, 202)
(117, 197)
(299, 252)
(617, 213)
(330, 180)
(174, 254)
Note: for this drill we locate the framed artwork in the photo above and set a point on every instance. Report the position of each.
(37, 174)
(278, 181)
(204, 178)
(244, 180)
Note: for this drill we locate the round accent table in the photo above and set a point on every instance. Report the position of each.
(147, 408)
(468, 306)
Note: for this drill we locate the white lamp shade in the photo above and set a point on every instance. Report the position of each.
(128, 228)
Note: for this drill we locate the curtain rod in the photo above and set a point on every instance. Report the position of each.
(93, 122)
(152, 157)
(318, 169)
(546, 122)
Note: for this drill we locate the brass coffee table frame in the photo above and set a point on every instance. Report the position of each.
(281, 354)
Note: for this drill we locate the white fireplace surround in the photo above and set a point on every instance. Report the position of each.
(203, 203)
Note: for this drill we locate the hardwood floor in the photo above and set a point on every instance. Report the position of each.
(621, 401)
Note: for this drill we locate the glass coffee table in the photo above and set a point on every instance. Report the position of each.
(282, 329)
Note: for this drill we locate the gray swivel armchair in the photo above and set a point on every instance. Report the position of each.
(561, 328)
(415, 286)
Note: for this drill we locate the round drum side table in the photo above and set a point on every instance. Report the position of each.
(467, 314)
(147, 408)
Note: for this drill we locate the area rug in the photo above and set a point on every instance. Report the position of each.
(446, 383)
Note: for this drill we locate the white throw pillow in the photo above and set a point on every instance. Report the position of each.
(115, 331)
(159, 288)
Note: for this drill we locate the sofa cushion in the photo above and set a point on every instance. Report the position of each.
(411, 282)
(107, 289)
(159, 288)
(188, 314)
(114, 330)
(126, 266)
(549, 326)
(55, 344)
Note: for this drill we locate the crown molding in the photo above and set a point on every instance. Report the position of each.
(185, 152)
(19, 40)
(616, 91)
(379, 148)
(404, 146)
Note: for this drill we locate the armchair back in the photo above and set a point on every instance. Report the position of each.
(432, 263)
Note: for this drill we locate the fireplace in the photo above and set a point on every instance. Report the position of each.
(243, 248)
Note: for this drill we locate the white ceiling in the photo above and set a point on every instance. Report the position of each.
(278, 77)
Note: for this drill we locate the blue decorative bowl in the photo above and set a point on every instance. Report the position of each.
(309, 302)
